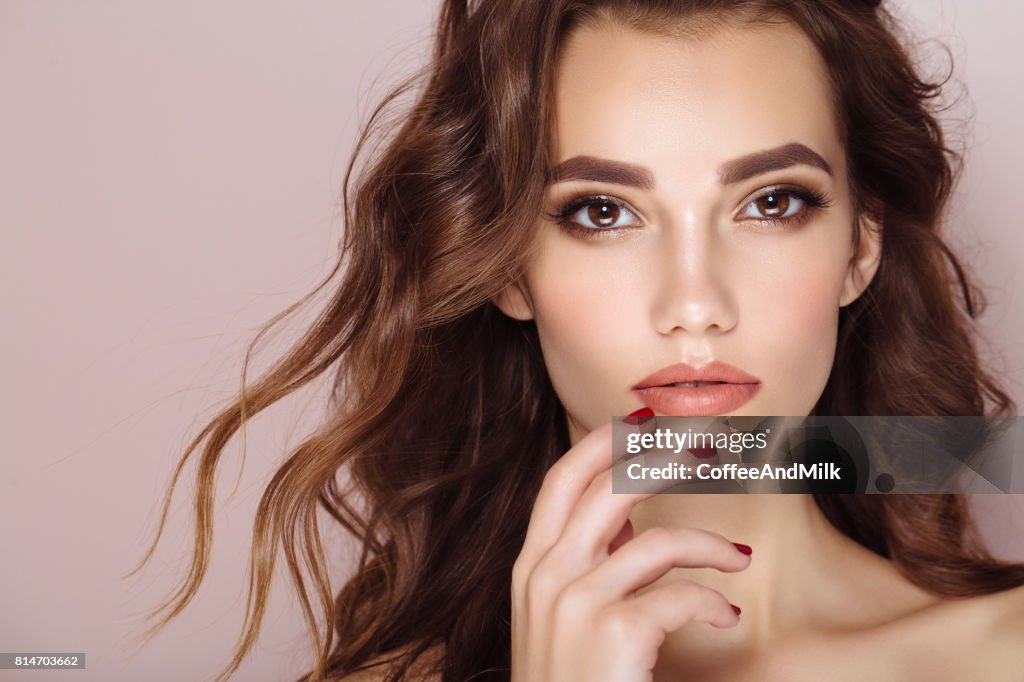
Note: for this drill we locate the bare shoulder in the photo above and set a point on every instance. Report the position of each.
(988, 633)
(1007, 623)
(378, 670)
(999, 616)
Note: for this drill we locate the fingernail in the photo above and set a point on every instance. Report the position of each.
(703, 453)
(744, 549)
(639, 416)
(735, 608)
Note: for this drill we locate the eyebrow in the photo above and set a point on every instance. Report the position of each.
(594, 169)
(602, 170)
(787, 155)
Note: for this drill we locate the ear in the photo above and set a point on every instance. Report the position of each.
(867, 255)
(514, 301)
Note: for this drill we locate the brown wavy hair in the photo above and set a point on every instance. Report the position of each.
(442, 421)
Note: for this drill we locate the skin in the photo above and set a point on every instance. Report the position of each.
(691, 282)
(694, 277)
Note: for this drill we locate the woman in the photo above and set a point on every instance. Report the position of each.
(593, 209)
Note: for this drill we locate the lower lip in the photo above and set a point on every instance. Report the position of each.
(701, 401)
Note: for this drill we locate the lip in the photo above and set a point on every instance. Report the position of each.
(735, 390)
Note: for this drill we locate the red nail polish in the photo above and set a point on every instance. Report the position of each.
(745, 549)
(735, 608)
(639, 416)
(703, 453)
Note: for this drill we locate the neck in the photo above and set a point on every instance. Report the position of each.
(804, 575)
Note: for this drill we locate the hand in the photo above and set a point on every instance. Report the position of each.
(575, 614)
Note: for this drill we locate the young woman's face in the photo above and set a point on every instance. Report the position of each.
(698, 212)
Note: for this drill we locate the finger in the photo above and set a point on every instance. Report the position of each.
(629, 431)
(599, 514)
(563, 486)
(624, 535)
(653, 553)
(669, 607)
(571, 557)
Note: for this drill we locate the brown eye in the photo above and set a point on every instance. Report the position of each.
(599, 213)
(778, 204)
(772, 205)
(603, 214)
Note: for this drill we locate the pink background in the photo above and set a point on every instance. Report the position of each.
(169, 178)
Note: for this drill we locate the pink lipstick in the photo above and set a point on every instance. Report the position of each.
(710, 390)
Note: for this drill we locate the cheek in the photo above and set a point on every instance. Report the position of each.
(588, 319)
(790, 305)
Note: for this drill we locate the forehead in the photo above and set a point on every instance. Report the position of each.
(677, 103)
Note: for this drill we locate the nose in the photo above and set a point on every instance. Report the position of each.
(692, 289)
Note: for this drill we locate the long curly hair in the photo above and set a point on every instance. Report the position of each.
(442, 421)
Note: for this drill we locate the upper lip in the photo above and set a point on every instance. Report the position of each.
(712, 371)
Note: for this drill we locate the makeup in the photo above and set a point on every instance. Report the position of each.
(769, 160)
(743, 549)
(638, 417)
(684, 390)
(596, 216)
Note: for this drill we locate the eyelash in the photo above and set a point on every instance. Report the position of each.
(813, 201)
(572, 206)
